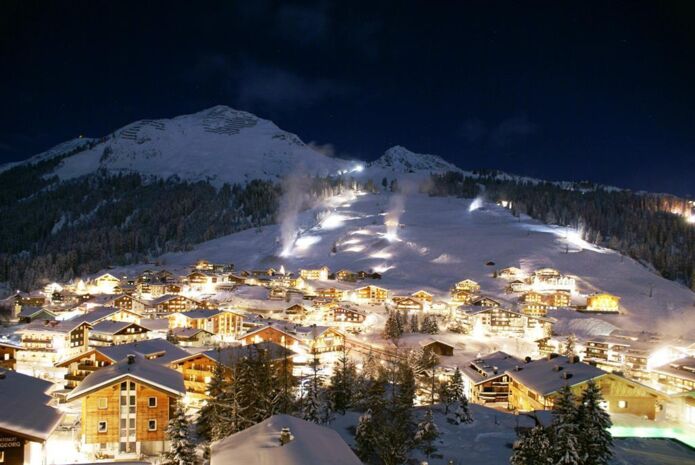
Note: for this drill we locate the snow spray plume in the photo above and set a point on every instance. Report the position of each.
(397, 207)
(293, 197)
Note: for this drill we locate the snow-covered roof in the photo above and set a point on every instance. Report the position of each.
(548, 375)
(229, 356)
(159, 350)
(155, 324)
(111, 327)
(188, 333)
(96, 315)
(25, 409)
(29, 311)
(133, 366)
(200, 313)
(490, 366)
(311, 444)
(167, 298)
(683, 368)
(62, 327)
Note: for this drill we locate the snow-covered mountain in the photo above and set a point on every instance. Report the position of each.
(218, 145)
(72, 145)
(398, 160)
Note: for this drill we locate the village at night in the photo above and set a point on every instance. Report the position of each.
(225, 256)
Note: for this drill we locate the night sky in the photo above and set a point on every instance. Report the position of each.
(560, 90)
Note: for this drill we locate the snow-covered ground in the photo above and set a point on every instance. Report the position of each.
(488, 441)
(443, 240)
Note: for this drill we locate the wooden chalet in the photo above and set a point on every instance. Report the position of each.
(171, 303)
(422, 296)
(504, 322)
(105, 284)
(315, 274)
(8, 355)
(126, 407)
(108, 333)
(438, 347)
(347, 314)
(602, 302)
(408, 304)
(467, 285)
(27, 420)
(199, 369)
(371, 294)
(78, 367)
(192, 337)
(485, 302)
(46, 342)
(217, 322)
(510, 273)
(536, 385)
(346, 275)
(485, 379)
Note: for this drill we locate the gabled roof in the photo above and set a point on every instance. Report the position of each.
(490, 366)
(135, 367)
(167, 298)
(311, 444)
(52, 326)
(25, 409)
(199, 313)
(113, 327)
(10, 344)
(547, 376)
(430, 340)
(100, 314)
(683, 368)
(187, 333)
(30, 312)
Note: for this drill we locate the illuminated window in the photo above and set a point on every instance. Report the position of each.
(2, 457)
(152, 425)
(152, 402)
(101, 427)
(622, 404)
(103, 403)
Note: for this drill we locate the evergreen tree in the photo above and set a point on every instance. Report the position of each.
(341, 389)
(370, 367)
(463, 412)
(429, 325)
(210, 417)
(393, 328)
(365, 436)
(182, 451)
(532, 448)
(595, 440)
(414, 323)
(312, 408)
(569, 346)
(427, 433)
(565, 444)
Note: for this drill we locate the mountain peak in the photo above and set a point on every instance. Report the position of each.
(399, 159)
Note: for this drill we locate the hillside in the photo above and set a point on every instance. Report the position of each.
(443, 240)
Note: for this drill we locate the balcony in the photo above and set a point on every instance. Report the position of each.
(87, 367)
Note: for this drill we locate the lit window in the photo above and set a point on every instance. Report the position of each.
(152, 425)
(152, 402)
(2, 457)
(101, 427)
(103, 403)
(622, 404)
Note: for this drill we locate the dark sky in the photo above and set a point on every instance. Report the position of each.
(562, 90)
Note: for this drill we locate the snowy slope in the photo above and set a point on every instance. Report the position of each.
(56, 151)
(398, 160)
(219, 145)
(442, 241)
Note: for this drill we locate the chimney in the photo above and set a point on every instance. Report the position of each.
(131, 359)
(566, 375)
(285, 436)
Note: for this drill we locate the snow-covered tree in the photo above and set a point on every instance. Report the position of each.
(414, 323)
(570, 343)
(211, 415)
(532, 448)
(182, 451)
(429, 325)
(393, 328)
(342, 386)
(365, 436)
(565, 430)
(370, 367)
(595, 440)
(311, 407)
(462, 414)
(427, 433)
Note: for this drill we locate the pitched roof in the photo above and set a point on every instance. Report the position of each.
(546, 376)
(311, 444)
(112, 327)
(200, 313)
(230, 356)
(133, 366)
(52, 326)
(167, 298)
(159, 350)
(490, 366)
(683, 368)
(28, 311)
(25, 409)
(99, 314)
(187, 333)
